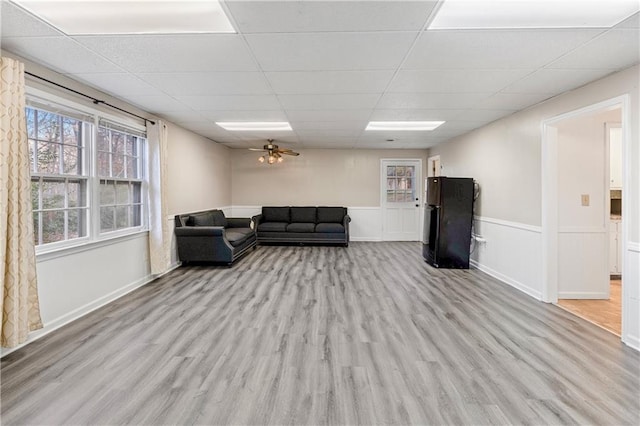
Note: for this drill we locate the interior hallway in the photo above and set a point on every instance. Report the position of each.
(605, 313)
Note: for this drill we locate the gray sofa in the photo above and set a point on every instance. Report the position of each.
(309, 225)
(209, 236)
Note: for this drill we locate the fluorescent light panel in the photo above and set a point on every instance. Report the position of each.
(131, 17)
(254, 125)
(493, 14)
(403, 125)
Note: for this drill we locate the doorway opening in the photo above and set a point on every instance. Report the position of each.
(583, 212)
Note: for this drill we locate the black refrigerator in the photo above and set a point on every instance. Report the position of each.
(447, 222)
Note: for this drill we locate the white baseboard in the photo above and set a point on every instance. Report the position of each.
(507, 280)
(84, 310)
(632, 342)
(365, 239)
(582, 295)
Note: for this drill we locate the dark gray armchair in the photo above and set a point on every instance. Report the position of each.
(209, 236)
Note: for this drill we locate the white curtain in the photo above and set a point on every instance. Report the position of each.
(159, 237)
(18, 284)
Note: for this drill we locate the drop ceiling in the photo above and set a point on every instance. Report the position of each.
(329, 68)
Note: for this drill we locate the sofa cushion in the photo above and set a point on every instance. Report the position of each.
(273, 226)
(218, 218)
(238, 236)
(275, 214)
(331, 214)
(303, 215)
(330, 228)
(301, 227)
(201, 219)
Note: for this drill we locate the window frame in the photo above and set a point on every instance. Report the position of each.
(40, 99)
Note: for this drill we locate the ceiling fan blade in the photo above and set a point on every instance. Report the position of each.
(257, 149)
(295, 154)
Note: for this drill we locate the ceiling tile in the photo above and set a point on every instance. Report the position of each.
(415, 114)
(258, 139)
(317, 16)
(512, 101)
(345, 101)
(484, 115)
(119, 84)
(61, 54)
(248, 115)
(329, 115)
(174, 53)
(303, 82)
(430, 100)
(555, 81)
(209, 83)
(331, 143)
(181, 116)
(327, 134)
(599, 53)
(455, 80)
(231, 102)
(494, 49)
(16, 22)
(330, 51)
(159, 103)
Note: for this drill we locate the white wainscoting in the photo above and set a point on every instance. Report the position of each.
(366, 222)
(631, 284)
(583, 263)
(511, 252)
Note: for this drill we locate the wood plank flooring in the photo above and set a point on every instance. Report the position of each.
(368, 334)
(605, 313)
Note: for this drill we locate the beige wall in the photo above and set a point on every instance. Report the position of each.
(199, 172)
(345, 177)
(505, 156)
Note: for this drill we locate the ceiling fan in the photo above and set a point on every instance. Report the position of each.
(273, 153)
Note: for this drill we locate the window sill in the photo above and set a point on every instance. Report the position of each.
(84, 246)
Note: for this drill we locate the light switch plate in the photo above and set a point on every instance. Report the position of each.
(585, 199)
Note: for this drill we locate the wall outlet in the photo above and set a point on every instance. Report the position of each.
(584, 198)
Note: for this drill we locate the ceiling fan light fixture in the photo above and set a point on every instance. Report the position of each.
(261, 159)
(272, 159)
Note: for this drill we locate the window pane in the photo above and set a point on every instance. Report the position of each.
(122, 217)
(391, 196)
(400, 171)
(132, 146)
(103, 164)
(48, 158)
(122, 193)
(107, 192)
(107, 218)
(132, 167)
(77, 194)
(391, 170)
(409, 183)
(53, 194)
(36, 228)
(31, 123)
(48, 126)
(35, 194)
(136, 215)
(52, 226)
(409, 171)
(77, 223)
(72, 131)
(71, 154)
(137, 192)
(117, 166)
(103, 140)
(117, 142)
(32, 147)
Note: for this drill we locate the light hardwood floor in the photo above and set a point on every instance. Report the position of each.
(368, 334)
(605, 313)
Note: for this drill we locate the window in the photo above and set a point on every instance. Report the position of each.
(63, 148)
(120, 174)
(58, 176)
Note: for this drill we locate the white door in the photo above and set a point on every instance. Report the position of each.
(401, 196)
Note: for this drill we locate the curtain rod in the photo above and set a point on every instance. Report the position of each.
(95, 101)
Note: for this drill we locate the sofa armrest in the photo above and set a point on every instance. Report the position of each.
(199, 231)
(238, 222)
(257, 219)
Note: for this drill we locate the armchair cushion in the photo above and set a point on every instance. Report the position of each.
(275, 214)
(237, 236)
(201, 219)
(218, 218)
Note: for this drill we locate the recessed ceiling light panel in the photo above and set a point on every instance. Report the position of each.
(254, 125)
(488, 14)
(83, 17)
(403, 125)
